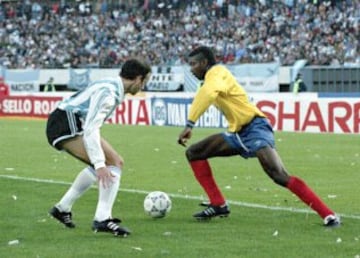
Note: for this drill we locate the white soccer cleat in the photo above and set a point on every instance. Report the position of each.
(332, 221)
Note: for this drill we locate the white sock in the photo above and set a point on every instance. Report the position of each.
(107, 196)
(84, 180)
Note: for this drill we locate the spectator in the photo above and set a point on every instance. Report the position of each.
(322, 33)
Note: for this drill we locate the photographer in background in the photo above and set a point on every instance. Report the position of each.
(49, 86)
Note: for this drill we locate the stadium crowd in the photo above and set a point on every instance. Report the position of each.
(81, 33)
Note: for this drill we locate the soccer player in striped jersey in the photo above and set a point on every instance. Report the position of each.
(74, 126)
(249, 135)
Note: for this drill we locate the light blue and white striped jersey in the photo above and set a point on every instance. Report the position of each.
(95, 104)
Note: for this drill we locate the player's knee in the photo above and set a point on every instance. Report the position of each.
(280, 178)
(116, 161)
(280, 181)
(191, 154)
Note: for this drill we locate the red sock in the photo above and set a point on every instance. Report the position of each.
(299, 187)
(203, 174)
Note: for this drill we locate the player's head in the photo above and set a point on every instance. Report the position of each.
(132, 68)
(137, 72)
(200, 60)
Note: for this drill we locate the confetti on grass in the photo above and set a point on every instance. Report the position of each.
(13, 242)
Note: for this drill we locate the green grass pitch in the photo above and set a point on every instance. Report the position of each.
(266, 220)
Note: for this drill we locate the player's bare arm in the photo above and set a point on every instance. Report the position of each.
(184, 136)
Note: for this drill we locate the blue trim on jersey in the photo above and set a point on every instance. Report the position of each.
(251, 138)
(79, 102)
(111, 82)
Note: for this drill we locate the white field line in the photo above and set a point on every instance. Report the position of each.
(182, 196)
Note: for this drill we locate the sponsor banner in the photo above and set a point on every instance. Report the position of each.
(174, 112)
(28, 106)
(286, 112)
(133, 111)
(306, 113)
(22, 80)
(166, 78)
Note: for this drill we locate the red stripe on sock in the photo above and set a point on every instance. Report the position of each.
(204, 176)
(299, 187)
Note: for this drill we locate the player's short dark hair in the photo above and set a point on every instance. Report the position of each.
(133, 68)
(204, 53)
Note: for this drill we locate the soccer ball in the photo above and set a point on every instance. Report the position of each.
(157, 204)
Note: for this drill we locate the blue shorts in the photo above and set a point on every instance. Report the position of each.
(252, 137)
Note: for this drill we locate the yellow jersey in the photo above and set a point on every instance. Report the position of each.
(221, 89)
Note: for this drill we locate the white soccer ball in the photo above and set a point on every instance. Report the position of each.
(157, 204)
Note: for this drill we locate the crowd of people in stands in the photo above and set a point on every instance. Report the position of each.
(82, 33)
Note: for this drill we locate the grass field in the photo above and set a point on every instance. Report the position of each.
(265, 220)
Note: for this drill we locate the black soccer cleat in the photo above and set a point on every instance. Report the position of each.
(213, 211)
(332, 221)
(111, 226)
(204, 204)
(64, 217)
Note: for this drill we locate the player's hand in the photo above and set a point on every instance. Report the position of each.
(184, 136)
(104, 176)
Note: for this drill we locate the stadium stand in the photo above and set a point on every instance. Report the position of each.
(83, 34)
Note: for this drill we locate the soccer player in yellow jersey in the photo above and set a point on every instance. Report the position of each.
(249, 135)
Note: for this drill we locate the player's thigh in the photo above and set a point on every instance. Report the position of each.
(75, 146)
(269, 159)
(212, 146)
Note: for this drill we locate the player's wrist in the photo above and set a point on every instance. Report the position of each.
(190, 124)
(99, 165)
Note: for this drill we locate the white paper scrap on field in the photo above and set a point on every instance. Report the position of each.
(13, 242)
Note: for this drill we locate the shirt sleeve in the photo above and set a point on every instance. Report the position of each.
(101, 105)
(206, 95)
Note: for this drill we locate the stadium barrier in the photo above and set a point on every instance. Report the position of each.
(253, 77)
(305, 112)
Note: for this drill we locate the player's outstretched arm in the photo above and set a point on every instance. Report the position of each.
(184, 136)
